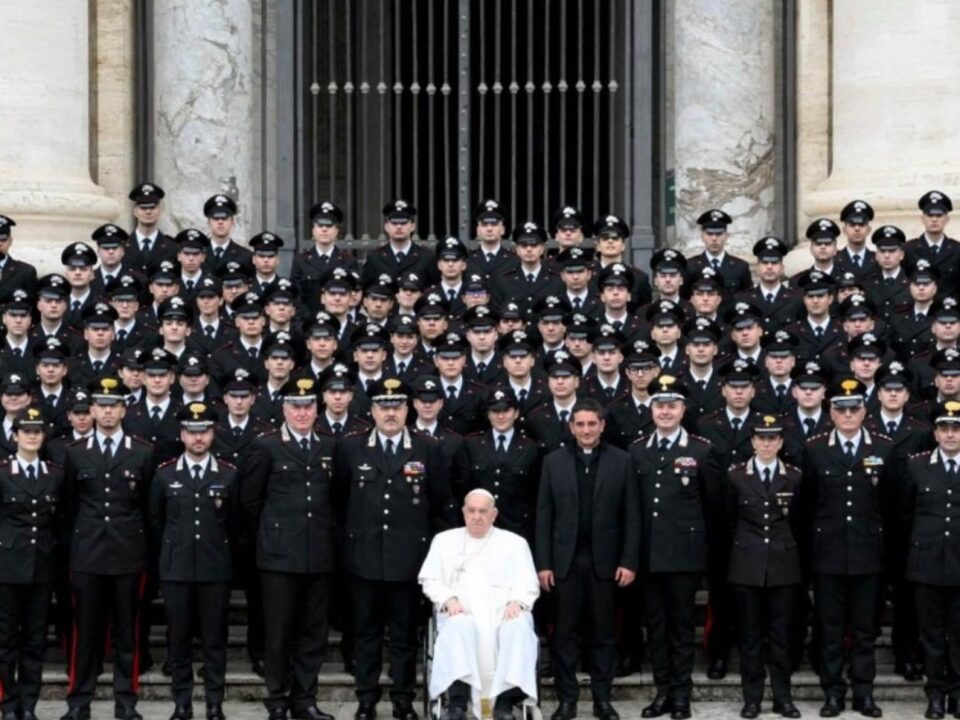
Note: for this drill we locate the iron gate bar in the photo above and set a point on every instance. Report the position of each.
(450, 209)
(482, 91)
(613, 87)
(415, 126)
(529, 87)
(513, 87)
(497, 104)
(463, 114)
(431, 91)
(398, 114)
(579, 87)
(332, 91)
(596, 87)
(547, 87)
(363, 112)
(562, 89)
(348, 88)
(382, 108)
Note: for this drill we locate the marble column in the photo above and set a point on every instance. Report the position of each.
(205, 105)
(45, 181)
(724, 96)
(879, 121)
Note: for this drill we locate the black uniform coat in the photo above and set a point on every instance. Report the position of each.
(847, 501)
(394, 504)
(233, 251)
(945, 260)
(418, 259)
(843, 261)
(675, 486)
(234, 447)
(30, 513)
(107, 499)
(463, 414)
(514, 287)
(309, 267)
(287, 498)
(887, 296)
(931, 511)
(512, 479)
(615, 531)
(764, 551)
(192, 522)
(163, 247)
(504, 260)
(626, 421)
(734, 273)
(17, 274)
(164, 436)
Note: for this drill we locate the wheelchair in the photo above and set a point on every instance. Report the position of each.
(433, 707)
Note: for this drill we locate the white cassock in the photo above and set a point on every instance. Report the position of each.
(479, 647)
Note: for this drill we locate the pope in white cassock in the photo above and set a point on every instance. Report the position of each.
(483, 584)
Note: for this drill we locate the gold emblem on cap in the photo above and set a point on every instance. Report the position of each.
(304, 385)
(666, 380)
(33, 413)
(108, 384)
(197, 409)
(769, 420)
(390, 385)
(952, 407)
(848, 386)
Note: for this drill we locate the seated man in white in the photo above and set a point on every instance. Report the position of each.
(483, 584)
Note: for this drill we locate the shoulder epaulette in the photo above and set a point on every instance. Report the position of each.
(791, 467)
(228, 465)
(817, 437)
(171, 461)
(922, 453)
(141, 441)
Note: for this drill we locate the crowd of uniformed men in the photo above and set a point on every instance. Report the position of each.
(179, 417)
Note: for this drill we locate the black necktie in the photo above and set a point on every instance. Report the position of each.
(218, 253)
(145, 246)
(32, 473)
(481, 368)
(576, 303)
(665, 363)
(766, 477)
(530, 278)
(702, 384)
(337, 428)
(951, 467)
(501, 445)
(564, 415)
(769, 298)
(934, 249)
(451, 294)
(781, 392)
(155, 414)
(809, 424)
(75, 306)
(891, 427)
(97, 366)
(108, 447)
(608, 391)
(237, 432)
(888, 281)
(305, 446)
(818, 330)
(17, 352)
(920, 317)
(121, 335)
(664, 444)
(252, 352)
(209, 331)
(389, 447)
(490, 257)
(618, 325)
(715, 264)
(735, 421)
(452, 392)
(849, 449)
(190, 285)
(368, 384)
(856, 261)
(50, 400)
(198, 473)
(522, 396)
(401, 368)
(131, 399)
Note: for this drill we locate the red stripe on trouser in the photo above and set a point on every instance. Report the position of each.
(707, 627)
(135, 680)
(72, 677)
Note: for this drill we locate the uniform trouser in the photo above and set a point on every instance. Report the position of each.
(206, 605)
(92, 596)
(341, 611)
(295, 624)
(843, 601)
(23, 642)
(764, 615)
(379, 603)
(938, 617)
(721, 613)
(248, 577)
(582, 596)
(670, 603)
(630, 614)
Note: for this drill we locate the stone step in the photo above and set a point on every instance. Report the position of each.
(337, 686)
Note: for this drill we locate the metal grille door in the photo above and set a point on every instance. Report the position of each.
(447, 102)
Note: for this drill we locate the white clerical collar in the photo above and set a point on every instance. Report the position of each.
(507, 437)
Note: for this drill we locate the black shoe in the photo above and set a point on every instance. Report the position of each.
(717, 669)
(28, 715)
(605, 711)
(182, 712)
(311, 713)
(910, 670)
(786, 709)
(126, 712)
(953, 707)
(565, 711)
(166, 668)
(365, 711)
(277, 713)
(258, 668)
(867, 707)
(661, 705)
(935, 709)
(404, 711)
(832, 707)
(77, 713)
(215, 712)
(681, 711)
(750, 711)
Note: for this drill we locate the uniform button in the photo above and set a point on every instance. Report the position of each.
(196, 508)
(33, 541)
(849, 518)
(106, 489)
(849, 503)
(656, 500)
(384, 527)
(308, 484)
(107, 475)
(496, 497)
(196, 495)
(766, 504)
(33, 529)
(949, 492)
(947, 533)
(849, 488)
(387, 496)
(196, 522)
(766, 528)
(386, 511)
(657, 486)
(308, 467)
(309, 514)
(106, 504)
(34, 502)
(389, 481)
(497, 483)
(659, 472)
(655, 513)
(849, 473)
(946, 519)
(197, 537)
(766, 541)
(33, 514)
(309, 498)
(106, 519)
(766, 517)
(497, 471)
